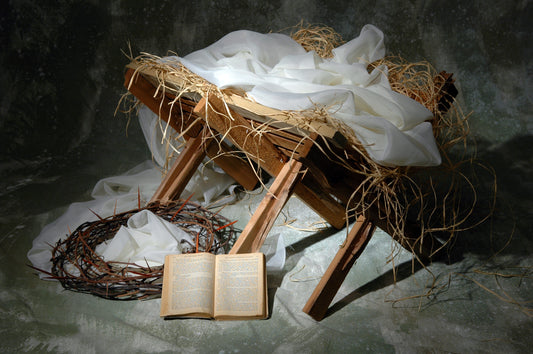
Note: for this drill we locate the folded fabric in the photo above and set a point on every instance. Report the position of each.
(110, 195)
(278, 72)
(145, 241)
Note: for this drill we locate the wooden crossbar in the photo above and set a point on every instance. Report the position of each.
(260, 148)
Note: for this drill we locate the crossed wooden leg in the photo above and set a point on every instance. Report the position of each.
(183, 169)
(331, 281)
(254, 234)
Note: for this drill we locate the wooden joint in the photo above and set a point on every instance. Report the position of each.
(254, 234)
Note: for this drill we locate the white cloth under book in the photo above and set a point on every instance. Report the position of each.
(278, 72)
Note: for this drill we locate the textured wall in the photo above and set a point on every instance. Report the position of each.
(61, 76)
(62, 61)
(62, 68)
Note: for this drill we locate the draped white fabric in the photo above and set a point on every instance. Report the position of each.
(145, 238)
(277, 72)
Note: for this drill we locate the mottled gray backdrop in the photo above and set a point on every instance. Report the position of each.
(61, 77)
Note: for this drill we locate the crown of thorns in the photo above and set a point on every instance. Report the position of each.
(77, 266)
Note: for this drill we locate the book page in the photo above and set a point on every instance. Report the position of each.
(240, 288)
(191, 283)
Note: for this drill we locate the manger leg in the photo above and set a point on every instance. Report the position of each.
(183, 169)
(331, 281)
(254, 234)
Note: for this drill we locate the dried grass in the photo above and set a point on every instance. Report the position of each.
(321, 39)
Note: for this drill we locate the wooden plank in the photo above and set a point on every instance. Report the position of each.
(331, 281)
(410, 238)
(238, 168)
(270, 158)
(313, 194)
(424, 248)
(335, 180)
(236, 128)
(171, 111)
(254, 234)
(242, 105)
(158, 103)
(287, 142)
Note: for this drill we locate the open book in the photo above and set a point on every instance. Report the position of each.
(222, 287)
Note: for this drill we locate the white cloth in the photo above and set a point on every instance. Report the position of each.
(114, 194)
(145, 240)
(119, 194)
(277, 72)
(275, 254)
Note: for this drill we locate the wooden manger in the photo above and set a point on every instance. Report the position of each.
(305, 163)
